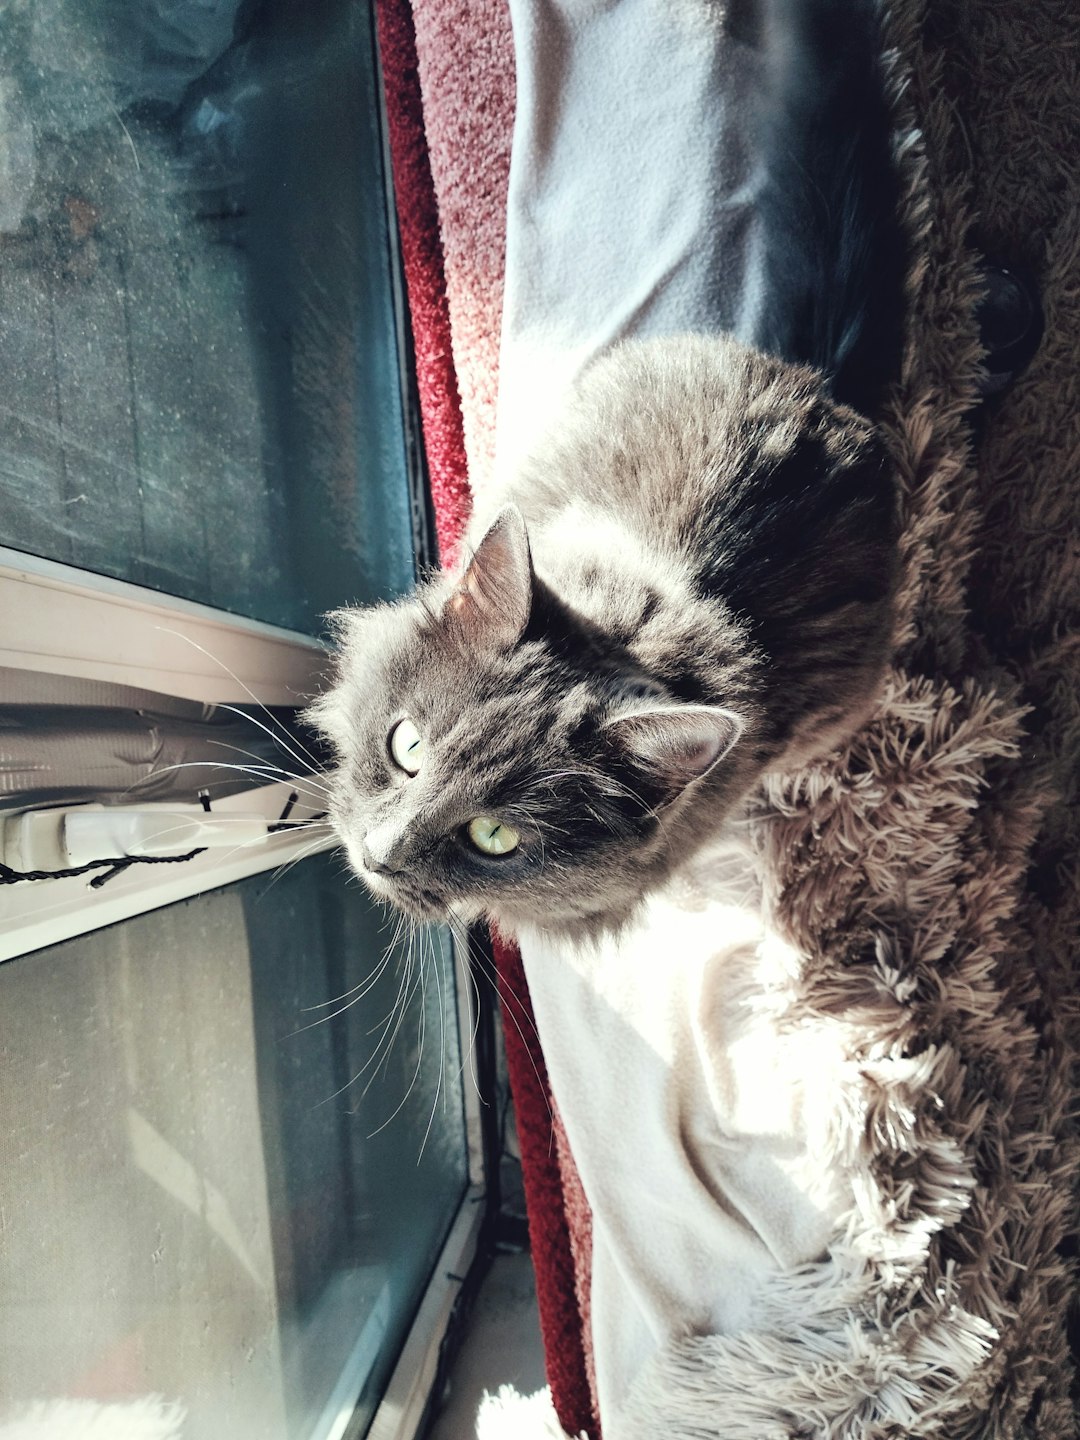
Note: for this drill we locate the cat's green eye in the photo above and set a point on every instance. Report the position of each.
(407, 746)
(491, 836)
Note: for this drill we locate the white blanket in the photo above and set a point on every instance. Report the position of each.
(702, 1129)
(699, 1126)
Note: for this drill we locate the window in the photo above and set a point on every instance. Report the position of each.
(236, 1116)
(200, 1199)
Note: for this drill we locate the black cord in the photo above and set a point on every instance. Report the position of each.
(116, 866)
(294, 824)
(8, 876)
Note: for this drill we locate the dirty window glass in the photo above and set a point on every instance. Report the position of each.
(197, 335)
(231, 1145)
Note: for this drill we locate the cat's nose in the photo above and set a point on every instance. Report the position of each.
(370, 863)
(384, 848)
(377, 866)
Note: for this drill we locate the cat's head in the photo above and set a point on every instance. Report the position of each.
(493, 759)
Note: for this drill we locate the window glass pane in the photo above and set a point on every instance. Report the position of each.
(201, 381)
(210, 1190)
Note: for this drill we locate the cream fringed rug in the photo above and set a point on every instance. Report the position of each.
(150, 1418)
(927, 875)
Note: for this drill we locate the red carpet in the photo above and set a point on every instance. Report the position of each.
(422, 257)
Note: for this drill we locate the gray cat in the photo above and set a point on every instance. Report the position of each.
(689, 584)
(691, 580)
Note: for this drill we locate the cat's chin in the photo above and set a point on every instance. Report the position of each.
(417, 904)
(583, 921)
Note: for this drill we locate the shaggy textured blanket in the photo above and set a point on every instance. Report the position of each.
(927, 875)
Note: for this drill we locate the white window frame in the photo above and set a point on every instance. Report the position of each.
(63, 621)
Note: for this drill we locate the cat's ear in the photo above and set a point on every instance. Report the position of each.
(493, 599)
(677, 744)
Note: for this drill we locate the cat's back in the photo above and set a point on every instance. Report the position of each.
(686, 446)
(647, 431)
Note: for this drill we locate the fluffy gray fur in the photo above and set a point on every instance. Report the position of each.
(689, 583)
